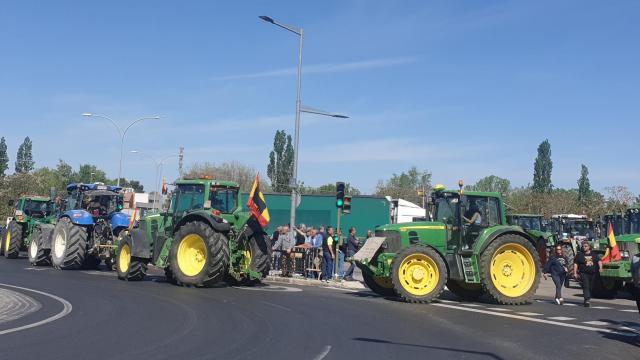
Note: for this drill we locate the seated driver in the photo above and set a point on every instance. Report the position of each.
(472, 215)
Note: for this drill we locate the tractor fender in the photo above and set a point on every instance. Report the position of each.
(222, 227)
(47, 235)
(503, 231)
(119, 220)
(79, 217)
(140, 244)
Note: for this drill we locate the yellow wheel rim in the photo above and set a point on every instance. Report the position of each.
(246, 259)
(513, 270)
(419, 274)
(124, 258)
(7, 242)
(192, 254)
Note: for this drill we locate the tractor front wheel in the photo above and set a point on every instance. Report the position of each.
(418, 274)
(13, 240)
(199, 255)
(37, 255)
(510, 269)
(465, 291)
(129, 267)
(258, 255)
(69, 245)
(379, 285)
(605, 287)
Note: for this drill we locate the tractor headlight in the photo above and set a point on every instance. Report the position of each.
(625, 254)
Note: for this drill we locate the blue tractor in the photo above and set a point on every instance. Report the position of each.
(87, 229)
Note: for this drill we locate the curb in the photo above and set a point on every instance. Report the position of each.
(352, 285)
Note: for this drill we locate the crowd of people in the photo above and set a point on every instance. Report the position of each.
(314, 252)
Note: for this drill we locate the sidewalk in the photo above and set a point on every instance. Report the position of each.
(299, 280)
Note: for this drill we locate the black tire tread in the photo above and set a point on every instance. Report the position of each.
(42, 255)
(76, 245)
(16, 240)
(137, 266)
(261, 254)
(375, 287)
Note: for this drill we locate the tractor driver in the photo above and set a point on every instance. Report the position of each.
(473, 221)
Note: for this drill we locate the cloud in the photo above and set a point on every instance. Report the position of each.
(325, 68)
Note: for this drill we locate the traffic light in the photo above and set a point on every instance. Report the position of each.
(346, 205)
(339, 194)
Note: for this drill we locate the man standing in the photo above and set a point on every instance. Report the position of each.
(328, 255)
(285, 244)
(352, 248)
(587, 265)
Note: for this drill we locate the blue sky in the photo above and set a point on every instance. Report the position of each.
(463, 89)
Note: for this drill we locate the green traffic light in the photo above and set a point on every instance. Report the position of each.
(339, 202)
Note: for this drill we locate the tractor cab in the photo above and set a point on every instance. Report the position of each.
(37, 207)
(633, 221)
(527, 222)
(581, 227)
(221, 198)
(99, 200)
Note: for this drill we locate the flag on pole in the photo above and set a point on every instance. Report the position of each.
(613, 252)
(132, 220)
(257, 204)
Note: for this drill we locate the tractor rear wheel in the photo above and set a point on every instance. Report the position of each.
(510, 269)
(541, 246)
(465, 291)
(379, 285)
(3, 232)
(69, 245)
(418, 274)
(129, 267)
(37, 255)
(13, 240)
(605, 288)
(199, 255)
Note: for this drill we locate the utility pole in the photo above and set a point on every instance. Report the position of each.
(180, 160)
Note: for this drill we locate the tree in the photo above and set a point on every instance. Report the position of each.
(619, 199)
(491, 183)
(24, 158)
(584, 187)
(542, 169)
(329, 189)
(405, 185)
(234, 171)
(280, 168)
(4, 157)
(88, 173)
(135, 184)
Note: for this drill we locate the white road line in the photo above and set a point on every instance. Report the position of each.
(276, 305)
(65, 310)
(597, 323)
(561, 318)
(532, 319)
(570, 304)
(472, 305)
(601, 307)
(37, 269)
(629, 310)
(325, 351)
(499, 309)
(529, 313)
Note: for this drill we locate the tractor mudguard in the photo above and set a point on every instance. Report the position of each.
(222, 227)
(79, 217)
(119, 220)
(140, 246)
(501, 231)
(47, 235)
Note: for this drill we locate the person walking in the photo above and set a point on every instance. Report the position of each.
(328, 255)
(352, 247)
(585, 267)
(556, 267)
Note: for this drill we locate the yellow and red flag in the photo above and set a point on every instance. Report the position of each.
(257, 204)
(613, 252)
(132, 219)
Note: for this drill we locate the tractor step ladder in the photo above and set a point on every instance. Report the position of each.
(467, 266)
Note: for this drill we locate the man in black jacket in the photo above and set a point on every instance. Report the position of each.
(352, 248)
(556, 266)
(587, 264)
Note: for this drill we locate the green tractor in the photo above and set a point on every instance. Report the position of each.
(467, 246)
(535, 227)
(616, 274)
(202, 239)
(31, 213)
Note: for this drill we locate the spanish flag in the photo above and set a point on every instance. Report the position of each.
(257, 204)
(613, 252)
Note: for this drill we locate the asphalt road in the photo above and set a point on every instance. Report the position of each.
(92, 315)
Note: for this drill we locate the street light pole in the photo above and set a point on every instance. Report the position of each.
(159, 167)
(122, 135)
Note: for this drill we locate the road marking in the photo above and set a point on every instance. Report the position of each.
(532, 319)
(325, 351)
(499, 309)
(96, 272)
(601, 307)
(629, 310)
(561, 318)
(596, 322)
(65, 310)
(471, 305)
(529, 314)
(276, 305)
(37, 269)
(570, 304)
(14, 305)
(269, 288)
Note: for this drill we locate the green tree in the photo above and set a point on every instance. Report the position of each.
(329, 189)
(24, 158)
(4, 157)
(584, 187)
(405, 185)
(542, 169)
(88, 173)
(491, 183)
(280, 168)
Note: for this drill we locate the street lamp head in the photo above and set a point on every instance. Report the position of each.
(340, 116)
(266, 18)
(87, 114)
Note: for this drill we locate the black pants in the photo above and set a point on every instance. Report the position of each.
(587, 284)
(558, 280)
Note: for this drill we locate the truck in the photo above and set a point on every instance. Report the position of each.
(534, 225)
(87, 227)
(204, 238)
(30, 211)
(467, 245)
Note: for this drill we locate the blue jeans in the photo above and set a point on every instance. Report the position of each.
(352, 266)
(327, 266)
(340, 264)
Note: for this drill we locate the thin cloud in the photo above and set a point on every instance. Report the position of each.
(325, 68)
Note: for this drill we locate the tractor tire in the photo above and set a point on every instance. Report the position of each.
(418, 274)
(260, 248)
(541, 246)
(605, 288)
(567, 251)
(465, 291)
(69, 245)
(13, 240)
(199, 255)
(3, 232)
(380, 286)
(129, 267)
(168, 274)
(510, 270)
(37, 255)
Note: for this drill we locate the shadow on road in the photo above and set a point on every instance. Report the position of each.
(630, 326)
(461, 351)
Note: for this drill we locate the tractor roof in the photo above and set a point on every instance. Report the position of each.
(95, 186)
(474, 193)
(207, 182)
(36, 198)
(525, 215)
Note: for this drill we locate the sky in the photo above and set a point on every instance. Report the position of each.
(463, 89)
